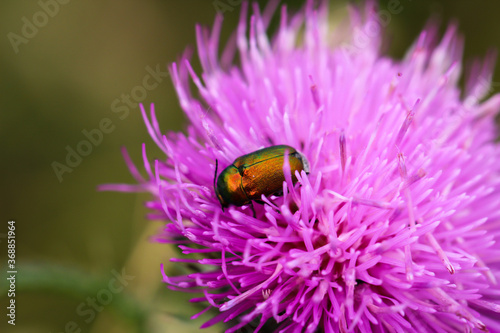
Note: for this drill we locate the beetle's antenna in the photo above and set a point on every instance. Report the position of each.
(215, 176)
(215, 179)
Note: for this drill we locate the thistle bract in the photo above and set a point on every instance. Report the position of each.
(395, 228)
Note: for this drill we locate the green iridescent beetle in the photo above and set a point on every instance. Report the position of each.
(256, 174)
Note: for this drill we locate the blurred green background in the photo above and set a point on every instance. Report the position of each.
(71, 240)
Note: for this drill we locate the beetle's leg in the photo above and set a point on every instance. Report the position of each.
(260, 202)
(253, 210)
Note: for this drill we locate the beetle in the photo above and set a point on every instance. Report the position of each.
(256, 174)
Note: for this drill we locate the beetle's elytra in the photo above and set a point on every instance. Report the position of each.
(256, 174)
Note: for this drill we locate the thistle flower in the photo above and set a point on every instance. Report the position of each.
(396, 227)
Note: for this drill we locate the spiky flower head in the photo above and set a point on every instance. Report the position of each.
(395, 228)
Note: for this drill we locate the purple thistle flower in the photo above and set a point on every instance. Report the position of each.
(396, 227)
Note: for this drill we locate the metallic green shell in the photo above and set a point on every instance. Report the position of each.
(256, 174)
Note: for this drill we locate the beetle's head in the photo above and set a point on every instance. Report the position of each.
(228, 188)
(223, 203)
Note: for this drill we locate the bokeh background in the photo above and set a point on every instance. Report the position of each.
(71, 240)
